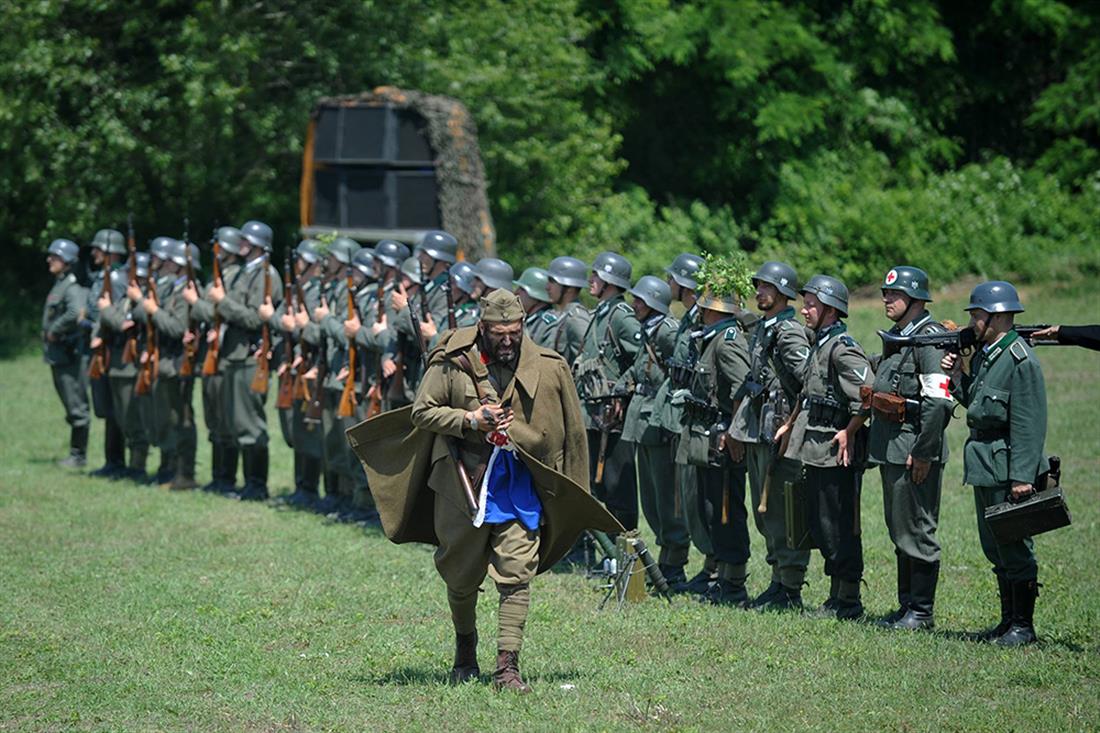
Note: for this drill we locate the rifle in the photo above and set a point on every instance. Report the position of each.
(346, 408)
(452, 321)
(285, 399)
(129, 351)
(210, 363)
(148, 373)
(374, 394)
(1027, 333)
(190, 349)
(301, 389)
(263, 366)
(98, 365)
(316, 407)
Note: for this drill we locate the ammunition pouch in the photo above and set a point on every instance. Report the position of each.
(680, 373)
(590, 379)
(750, 389)
(699, 412)
(826, 412)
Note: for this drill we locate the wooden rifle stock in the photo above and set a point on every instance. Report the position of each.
(148, 371)
(190, 348)
(97, 367)
(347, 404)
(263, 365)
(301, 388)
(129, 351)
(210, 363)
(452, 321)
(285, 399)
(374, 395)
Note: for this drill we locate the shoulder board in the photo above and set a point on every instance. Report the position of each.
(731, 333)
(549, 317)
(788, 324)
(932, 327)
(620, 306)
(1018, 351)
(847, 341)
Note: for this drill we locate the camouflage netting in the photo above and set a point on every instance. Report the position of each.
(463, 201)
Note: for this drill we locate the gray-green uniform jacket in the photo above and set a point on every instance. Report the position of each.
(611, 343)
(836, 369)
(244, 295)
(170, 321)
(62, 338)
(778, 350)
(915, 374)
(719, 372)
(542, 326)
(669, 412)
(1005, 397)
(113, 317)
(568, 339)
(645, 377)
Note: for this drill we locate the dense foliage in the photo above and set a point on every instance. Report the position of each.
(844, 135)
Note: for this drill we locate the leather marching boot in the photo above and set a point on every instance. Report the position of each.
(849, 606)
(905, 579)
(789, 595)
(1004, 589)
(828, 608)
(729, 588)
(166, 471)
(114, 452)
(217, 467)
(922, 597)
(78, 449)
(506, 676)
(311, 480)
(1022, 629)
(674, 575)
(185, 473)
(331, 502)
(255, 473)
(465, 667)
(699, 582)
(297, 498)
(138, 459)
(230, 457)
(770, 594)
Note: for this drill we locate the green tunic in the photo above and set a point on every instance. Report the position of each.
(645, 377)
(573, 322)
(542, 325)
(611, 342)
(63, 347)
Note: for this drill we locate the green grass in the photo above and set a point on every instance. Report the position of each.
(126, 608)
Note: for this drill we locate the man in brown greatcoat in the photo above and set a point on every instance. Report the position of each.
(509, 411)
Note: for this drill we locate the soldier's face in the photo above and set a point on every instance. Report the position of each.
(478, 289)
(979, 323)
(677, 291)
(502, 340)
(896, 303)
(554, 290)
(766, 295)
(595, 285)
(641, 310)
(98, 257)
(167, 267)
(54, 264)
(812, 310)
(425, 260)
(525, 300)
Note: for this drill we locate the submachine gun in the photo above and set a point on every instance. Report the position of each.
(958, 341)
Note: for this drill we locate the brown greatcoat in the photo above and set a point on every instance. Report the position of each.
(409, 467)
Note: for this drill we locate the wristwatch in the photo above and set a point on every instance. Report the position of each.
(472, 421)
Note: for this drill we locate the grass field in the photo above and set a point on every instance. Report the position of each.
(127, 608)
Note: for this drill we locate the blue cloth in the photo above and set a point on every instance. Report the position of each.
(511, 493)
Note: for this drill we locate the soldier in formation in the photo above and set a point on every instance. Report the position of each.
(696, 404)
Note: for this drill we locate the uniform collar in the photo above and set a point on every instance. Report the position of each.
(535, 315)
(998, 347)
(253, 264)
(653, 322)
(608, 304)
(915, 325)
(833, 330)
(709, 331)
(786, 314)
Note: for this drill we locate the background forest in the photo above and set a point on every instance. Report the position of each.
(838, 134)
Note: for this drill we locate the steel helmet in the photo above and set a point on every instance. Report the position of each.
(65, 249)
(533, 281)
(462, 275)
(391, 253)
(343, 249)
(439, 245)
(995, 296)
(912, 281)
(161, 247)
(684, 268)
(141, 259)
(229, 240)
(829, 291)
(568, 271)
(779, 274)
(258, 234)
(363, 260)
(110, 241)
(729, 303)
(613, 268)
(178, 254)
(307, 251)
(495, 273)
(410, 268)
(654, 292)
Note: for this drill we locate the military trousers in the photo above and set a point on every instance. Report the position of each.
(772, 524)
(101, 397)
(656, 472)
(186, 432)
(1013, 561)
(722, 501)
(306, 436)
(286, 425)
(214, 402)
(619, 488)
(912, 511)
(832, 512)
(71, 383)
(508, 553)
(167, 413)
(687, 483)
(245, 409)
(128, 409)
(337, 453)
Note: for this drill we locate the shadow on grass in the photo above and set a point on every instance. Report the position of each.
(437, 676)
